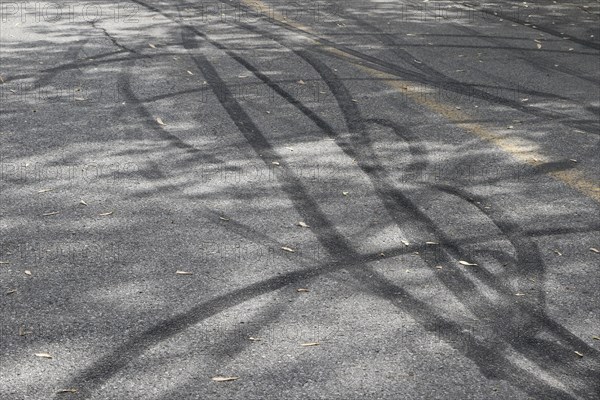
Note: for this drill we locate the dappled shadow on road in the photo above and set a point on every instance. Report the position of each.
(187, 153)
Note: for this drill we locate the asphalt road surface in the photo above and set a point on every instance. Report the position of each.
(304, 200)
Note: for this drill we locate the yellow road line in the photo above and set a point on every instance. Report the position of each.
(521, 151)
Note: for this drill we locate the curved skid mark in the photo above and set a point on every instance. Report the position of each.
(493, 363)
(417, 151)
(125, 84)
(440, 81)
(92, 377)
(528, 264)
(463, 288)
(545, 29)
(444, 82)
(535, 62)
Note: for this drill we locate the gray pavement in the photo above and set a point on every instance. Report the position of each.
(157, 157)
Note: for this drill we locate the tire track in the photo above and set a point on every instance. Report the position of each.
(351, 113)
(460, 286)
(335, 242)
(92, 377)
(358, 143)
(541, 28)
(445, 82)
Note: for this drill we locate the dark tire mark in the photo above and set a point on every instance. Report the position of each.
(445, 82)
(442, 82)
(105, 368)
(70, 65)
(92, 377)
(417, 150)
(149, 122)
(541, 28)
(334, 242)
(355, 124)
(463, 288)
(533, 319)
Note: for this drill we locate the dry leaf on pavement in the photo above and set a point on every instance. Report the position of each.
(23, 331)
(225, 378)
(466, 263)
(62, 391)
